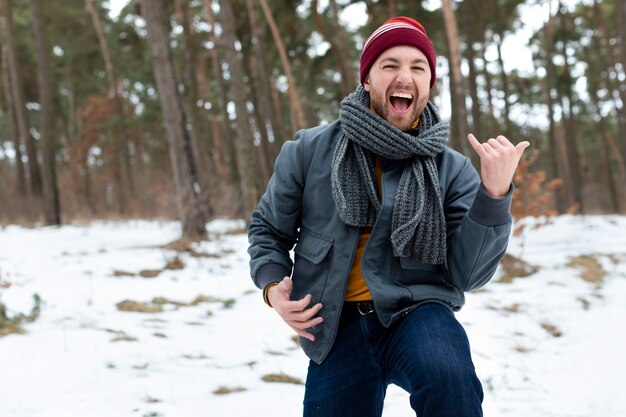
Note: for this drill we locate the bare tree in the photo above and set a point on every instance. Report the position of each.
(188, 190)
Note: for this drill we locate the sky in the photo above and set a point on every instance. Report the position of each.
(548, 345)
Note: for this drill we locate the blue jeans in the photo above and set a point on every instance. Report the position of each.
(426, 353)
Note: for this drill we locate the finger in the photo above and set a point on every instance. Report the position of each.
(306, 314)
(478, 147)
(305, 334)
(502, 140)
(495, 144)
(520, 147)
(303, 325)
(286, 284)
(300, 305)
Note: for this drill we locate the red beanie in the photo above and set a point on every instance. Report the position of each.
(394, 32)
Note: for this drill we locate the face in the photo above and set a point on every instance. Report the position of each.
(399, 85)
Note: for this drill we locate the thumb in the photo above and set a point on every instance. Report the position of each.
(520, 147)
(286, 285)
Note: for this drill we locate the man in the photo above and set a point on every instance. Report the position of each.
(390, 227)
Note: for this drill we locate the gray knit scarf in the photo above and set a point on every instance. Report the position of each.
(418, 227)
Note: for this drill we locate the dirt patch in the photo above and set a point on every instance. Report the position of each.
(590, 268)
(515, 267)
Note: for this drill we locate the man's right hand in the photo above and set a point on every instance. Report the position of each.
(297, 314)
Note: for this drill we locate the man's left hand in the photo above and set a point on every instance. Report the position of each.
(498, 161)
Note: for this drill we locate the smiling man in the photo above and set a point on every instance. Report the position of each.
(390, 228)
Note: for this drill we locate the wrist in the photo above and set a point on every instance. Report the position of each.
(266, 293)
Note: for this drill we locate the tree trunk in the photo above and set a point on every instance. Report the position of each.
(216, 147)
(560, 166)
(263, 100)
(51, 203)
(339, 48)
(190, 98)
(298, 119)
(596, 83)
(459, 111)
(473, 86)
(505, 88)
(350, 80)
(188, 190)
(571, 144)
(245, 151)
(222, 99)
(494, 125)
(620, 70)
(392, 9)
(19, 164)
(20, 103)
(123, 175)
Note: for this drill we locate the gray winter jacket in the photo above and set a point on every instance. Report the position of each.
(298, 209)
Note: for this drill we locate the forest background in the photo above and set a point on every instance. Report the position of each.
(177, 109)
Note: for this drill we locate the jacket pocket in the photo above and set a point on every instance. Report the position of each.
(413, 272)
(311, 265)
(312, 246)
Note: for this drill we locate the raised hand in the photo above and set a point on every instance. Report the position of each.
(498, 160)
(297, 314)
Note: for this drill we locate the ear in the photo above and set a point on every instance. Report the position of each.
(366, 84)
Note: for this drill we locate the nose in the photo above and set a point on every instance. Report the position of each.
(404, 75)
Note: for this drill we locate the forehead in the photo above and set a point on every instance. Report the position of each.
(403, 53)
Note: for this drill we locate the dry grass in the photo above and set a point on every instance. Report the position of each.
(119, 273)
(150, 273)
(590, 268)
(515, 267)
(284, 378)
(137, 307)
(551, 328)
(223, 390)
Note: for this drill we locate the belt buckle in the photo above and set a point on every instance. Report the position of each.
(365, 307)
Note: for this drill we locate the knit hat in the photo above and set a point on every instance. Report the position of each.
(397, 31)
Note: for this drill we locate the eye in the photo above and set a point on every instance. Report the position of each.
(389, 66)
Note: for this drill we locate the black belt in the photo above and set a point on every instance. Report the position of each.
(362, 307)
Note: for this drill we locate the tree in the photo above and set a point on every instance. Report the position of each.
(298, 119)
(51, 203)
(123, 174)
(247, 162)
(188, 190)
(19, 102)
(459, 111)
(12, 122)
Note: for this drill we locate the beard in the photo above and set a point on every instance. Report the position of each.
(382, 106)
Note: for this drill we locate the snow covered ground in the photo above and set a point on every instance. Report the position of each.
(550, 345)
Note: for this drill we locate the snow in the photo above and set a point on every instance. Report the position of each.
(69, 363)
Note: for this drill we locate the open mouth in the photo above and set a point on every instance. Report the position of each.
(401, 101)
